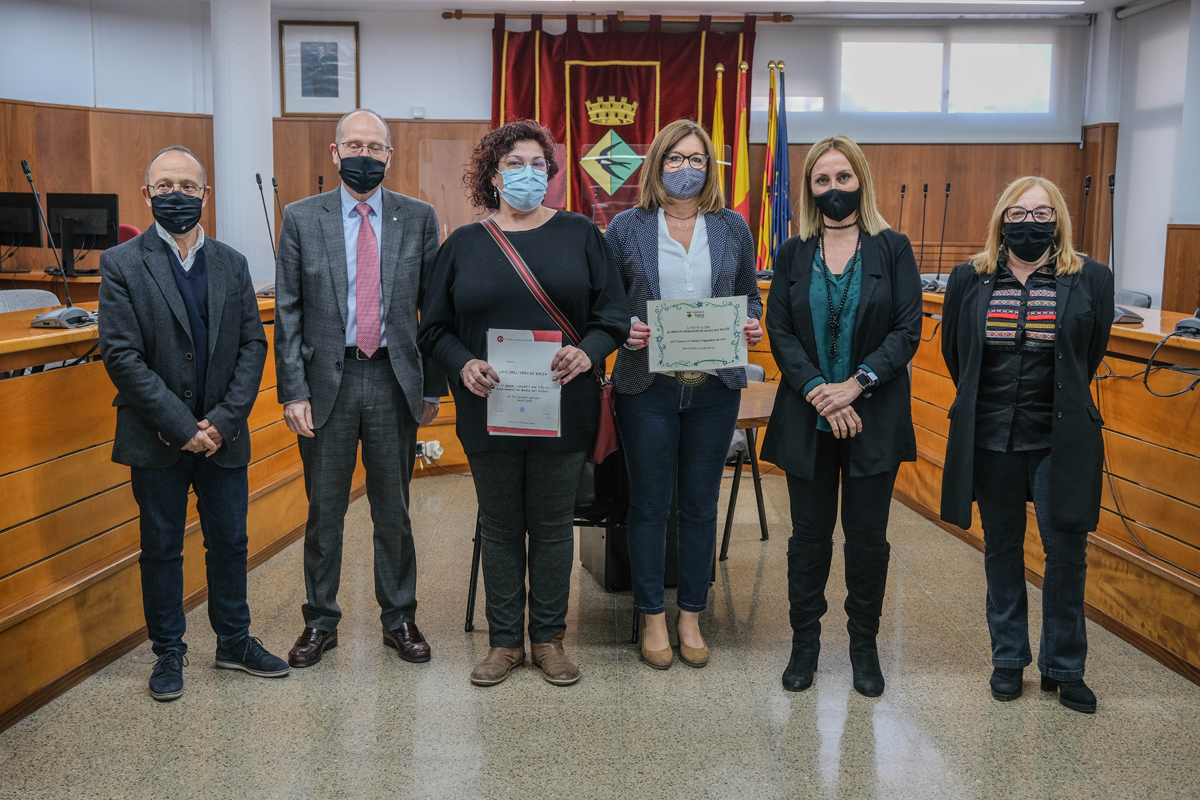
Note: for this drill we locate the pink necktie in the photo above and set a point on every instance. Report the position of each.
(366, 289)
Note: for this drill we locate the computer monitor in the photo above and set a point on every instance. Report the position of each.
(19, 223)
(81, 222)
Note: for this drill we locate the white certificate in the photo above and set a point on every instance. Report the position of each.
(697, 334)
(527, 401)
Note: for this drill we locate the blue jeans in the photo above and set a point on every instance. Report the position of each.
(663, 427)
(1002, 482)
(222, 497)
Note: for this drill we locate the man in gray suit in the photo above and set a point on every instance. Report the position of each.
(183, 343)
(351, 275)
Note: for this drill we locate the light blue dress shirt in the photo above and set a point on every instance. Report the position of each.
(351, 220)
(350, 224)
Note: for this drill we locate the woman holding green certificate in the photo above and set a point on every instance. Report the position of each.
(844, 315)
(679, 243)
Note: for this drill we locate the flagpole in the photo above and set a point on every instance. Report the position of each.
(763, 261)
(718, 127)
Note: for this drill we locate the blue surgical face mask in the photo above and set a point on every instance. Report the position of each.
(684, 183)
(525, 188)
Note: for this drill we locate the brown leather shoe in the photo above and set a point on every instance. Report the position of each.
(311, 645)
(552, 660)
(496, 665)
(696, 657)
(655, 659)
(408, 642)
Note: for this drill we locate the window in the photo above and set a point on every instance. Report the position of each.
(793, 103)
(892, 76)
(1000, 78)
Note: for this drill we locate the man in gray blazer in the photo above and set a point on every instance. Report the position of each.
(183, 343)
(350, 278)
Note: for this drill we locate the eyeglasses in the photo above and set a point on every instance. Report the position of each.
(1039, 214)
(696, 160)
(356, 148)
(187, 187)
(516, 162)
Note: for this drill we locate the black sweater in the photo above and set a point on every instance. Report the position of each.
(475, 288)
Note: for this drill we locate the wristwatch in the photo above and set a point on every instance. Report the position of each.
(865, 381)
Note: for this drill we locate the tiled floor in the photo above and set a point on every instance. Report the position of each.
(363, 724)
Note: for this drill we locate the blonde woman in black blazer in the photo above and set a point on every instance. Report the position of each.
(1024, 327)
(844, 318)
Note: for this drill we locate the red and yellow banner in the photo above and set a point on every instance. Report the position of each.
(604, 96)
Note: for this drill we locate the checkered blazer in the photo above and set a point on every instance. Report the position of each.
(633, 238)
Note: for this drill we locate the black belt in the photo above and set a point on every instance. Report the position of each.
(354, 354)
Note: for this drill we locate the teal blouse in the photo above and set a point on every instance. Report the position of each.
(840, 367)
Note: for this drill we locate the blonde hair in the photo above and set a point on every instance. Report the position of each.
(808, 216)
(652, 195)
(1068, 262)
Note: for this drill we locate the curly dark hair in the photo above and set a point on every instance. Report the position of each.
(495, 145)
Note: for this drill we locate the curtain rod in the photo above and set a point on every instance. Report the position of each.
(458, 13)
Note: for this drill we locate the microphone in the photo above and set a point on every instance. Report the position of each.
(320, 183)
(69, 317)
(1112, 225)
(924, 203)
(266, 216)
(942, 242)
(275, 183)
(900, 224)
(1087, 189)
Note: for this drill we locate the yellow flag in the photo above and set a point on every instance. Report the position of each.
(741, 149)
(763, 261)
(718, 128)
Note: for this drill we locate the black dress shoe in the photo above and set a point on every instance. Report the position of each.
(1006, 683)
(1075, 695)
(311, 645)
(801, 667)
(408, 642)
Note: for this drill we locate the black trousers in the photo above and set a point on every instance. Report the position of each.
(866, 500)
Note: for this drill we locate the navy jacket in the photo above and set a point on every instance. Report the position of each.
(633, 238)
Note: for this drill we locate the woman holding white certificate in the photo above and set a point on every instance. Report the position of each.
(844, 315)
(679, 243)
(522, 306)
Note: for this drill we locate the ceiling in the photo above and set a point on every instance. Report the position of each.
(723, 7)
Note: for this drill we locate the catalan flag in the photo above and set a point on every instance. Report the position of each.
(741, 149)
(781, 212)
(718, 128)
(765, 250)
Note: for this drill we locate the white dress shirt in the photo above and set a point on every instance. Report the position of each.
(684, 274)
(170, 240)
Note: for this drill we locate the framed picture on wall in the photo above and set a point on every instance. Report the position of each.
(318, 67)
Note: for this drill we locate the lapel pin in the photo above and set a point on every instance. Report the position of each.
(394, 219)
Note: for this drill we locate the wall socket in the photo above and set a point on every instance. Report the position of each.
(420, 450)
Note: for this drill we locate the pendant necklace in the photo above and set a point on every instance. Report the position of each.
(682, 222)
(835, 314)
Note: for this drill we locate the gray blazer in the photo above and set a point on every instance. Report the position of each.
(146, 344)
(311, 285)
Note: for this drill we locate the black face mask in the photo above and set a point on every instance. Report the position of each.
(177, 212)
(362, 173)
(1029, 240)
(838, 204)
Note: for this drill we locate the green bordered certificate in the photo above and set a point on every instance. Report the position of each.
(697, 334)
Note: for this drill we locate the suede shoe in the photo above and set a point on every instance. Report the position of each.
(552, 660)
(1006, 683)
(496, 665)
(250, 656)
(802, 666)
(166, 682)
(1075, 695)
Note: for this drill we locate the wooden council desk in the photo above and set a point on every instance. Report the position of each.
(1152, 446)
(70, 591)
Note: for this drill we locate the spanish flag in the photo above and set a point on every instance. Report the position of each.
(718, 128)
(765, 251)
(741, 149)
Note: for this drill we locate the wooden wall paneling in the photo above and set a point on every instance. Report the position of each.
(64, 144)
(1181, 270)
(301, 146)
(1099, 160)
(18, 140)
(1155, 510)
(1158, 544)
(35, 491)
(1169, 471)
(930, 417)
(80, 557)
(932, 388)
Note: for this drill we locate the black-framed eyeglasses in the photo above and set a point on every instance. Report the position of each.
(1039, 214)
(356, 148)
(187, 187)
(675, 160)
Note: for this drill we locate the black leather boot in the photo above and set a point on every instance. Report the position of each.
(1006, 683)
(1075, 695)
(866, 580)
(808, 572)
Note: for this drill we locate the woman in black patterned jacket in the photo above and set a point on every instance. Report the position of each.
(680, 242)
